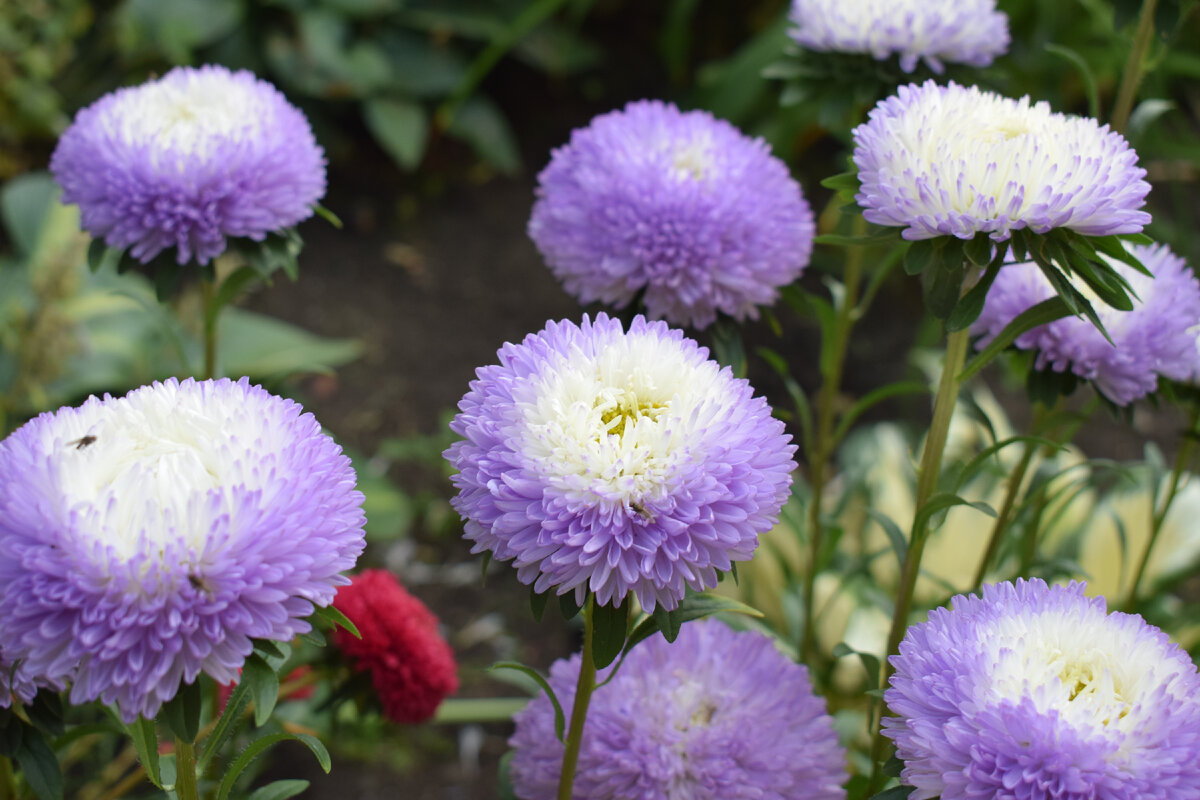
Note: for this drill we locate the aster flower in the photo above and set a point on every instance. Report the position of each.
(1033, 691)
(950, 160)
(959, 31)
(147, 539)
(188, 160)
(678, 205)
(411, 666)
(616, 461)
(717, 715)
(1153, 339)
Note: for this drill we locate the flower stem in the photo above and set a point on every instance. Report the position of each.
(1159, 516)
(583, 696)
(822, 448)
(209, 289)
(186, 787)
(927, 477)
(8, 780)
(1135, 70)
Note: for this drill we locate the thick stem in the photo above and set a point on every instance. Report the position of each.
(927, 476)
(186, 787)
(583, 696)
(1159, 515)
(209, 289)
(822, 449)
(1131, 78)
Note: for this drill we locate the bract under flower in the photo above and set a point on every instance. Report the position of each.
(678, 206)
(1155, 338)
(956, 161)
(612, 461)
(958, 31)
(147, 539)
(716, 715)
(1033, 691)
(187, 160)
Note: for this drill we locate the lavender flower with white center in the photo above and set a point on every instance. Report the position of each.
(678, 205)
(616, 462)
(147, 539)
(956, 161)
(717, 715)
(1032, 691)
(187, 160)
(958, 31)
(1153, 339)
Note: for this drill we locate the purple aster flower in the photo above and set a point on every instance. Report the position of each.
(951, 160)
(1155, 338)
(612, 461)
(675, 204)
(959, 31)
(1033, 691)
(147, 539)
(717, 715)
(188, 159)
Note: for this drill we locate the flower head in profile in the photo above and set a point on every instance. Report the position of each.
(149, 538)
(187, 160)
(411, 666)
(956, 161)
(677, 206)
(1034, 691)
(617, 461)
(958, 31)
(716, 715)
(1153, 339)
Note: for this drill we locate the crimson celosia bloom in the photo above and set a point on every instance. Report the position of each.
(411, 665)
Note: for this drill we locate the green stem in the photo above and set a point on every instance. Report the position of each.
(822, 449)
(583, 696)
(927, 477)
(1131, 78)
(1159, 515)
(209, 289)
(8, 780)
(1000, 525)
(186, 787)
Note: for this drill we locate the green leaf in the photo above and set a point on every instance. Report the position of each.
(46, 712)
(869, 661)
(39, 766)
(979, 250)
(12, 729)
(970, 305)
(1046, 311)
(145, 742)
(942, 285)
(336, 619)
(693, 606)
(400, 126)
(943, 501)
(259, 746)
(504, 787)
(270, 651)
(567, 605)
(869, 400)
(269, 349)
(609, 626)
(559, 718)
(894, 793)
(228, 723)
(537, 603)
(279, 790)
(922, 254)
(327, 215)
(263, 683)
(101, 256)
(727, 346)
(1085, 72)
(480, 124)
(846, 185)
(24, 201)
(893, 532)
(882, 236)
(182, 712)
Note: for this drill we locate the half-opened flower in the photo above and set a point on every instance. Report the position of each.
(188, 160)
(411, 666)
(1153, 339)
(678, 206)
(617, 461)
(717, 715)
(149, 538)
(951, 160)
(1033, 691)
(956, 31)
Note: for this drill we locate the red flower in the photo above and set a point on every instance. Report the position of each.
(411, 666)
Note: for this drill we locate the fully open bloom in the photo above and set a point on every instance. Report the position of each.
(614, 461)
(717, 715)
(677, 205)
(1033, 691)
(411, 666)
(951, 160)
(1155, 338)
(147, 539)
(187, 160)
(959, 31)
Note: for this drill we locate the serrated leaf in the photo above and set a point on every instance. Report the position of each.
(559, 718)
(145, 743)
(182, 712)
(259, 746)
(609, 627)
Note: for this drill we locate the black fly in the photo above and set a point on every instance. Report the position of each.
(83, 441)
